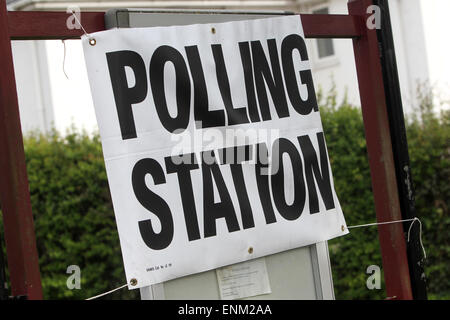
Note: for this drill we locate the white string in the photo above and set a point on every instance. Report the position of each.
(420, 235)
(104, 294)
(64, 60)
(349, 227)
(92, 41)
(75, 16)
(378, 223)
(397, 221)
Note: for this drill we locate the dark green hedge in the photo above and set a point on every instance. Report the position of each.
(73, 215)
(352, 254)
(429, 147)
(75, 224)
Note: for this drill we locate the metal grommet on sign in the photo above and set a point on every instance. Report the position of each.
(92, 41)
(342, 228)
(133, 281)
(250, 250)
(213, 30)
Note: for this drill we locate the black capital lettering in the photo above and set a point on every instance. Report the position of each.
(212, 210)
(183, 171)
(202, 115)
(161, 56)
(153, 203)
(312, 172)
(244, 48)
(262, 182)
(289, 44)
(294, 210)
(234, 156)
(125, 96)
(235, 116)
(273, 80)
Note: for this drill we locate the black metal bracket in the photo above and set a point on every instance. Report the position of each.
(416, 260)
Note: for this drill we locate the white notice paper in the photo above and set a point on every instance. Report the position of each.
(242, 280)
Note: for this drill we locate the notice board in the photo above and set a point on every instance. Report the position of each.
(273, 55)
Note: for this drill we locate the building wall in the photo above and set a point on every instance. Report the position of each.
(338, 70)
(421, 52)
(418, 36)
(72, 100)
(437, 29)
(410, 48)
(33, 87)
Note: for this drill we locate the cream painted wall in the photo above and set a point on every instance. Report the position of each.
(437, 34)
(420, 36)
(339, 69)
(410, 47)
(72, 99)
(32, 82)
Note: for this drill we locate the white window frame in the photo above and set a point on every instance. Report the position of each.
(328, 61)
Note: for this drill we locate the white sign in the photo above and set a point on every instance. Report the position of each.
(243, 280)
(213, 144)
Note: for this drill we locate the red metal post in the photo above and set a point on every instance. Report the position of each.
(379, 147)
(32, 25)
(15, 197)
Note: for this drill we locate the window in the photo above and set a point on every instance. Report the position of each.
(324, 46)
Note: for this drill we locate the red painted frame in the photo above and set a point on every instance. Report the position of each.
(15, 197)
